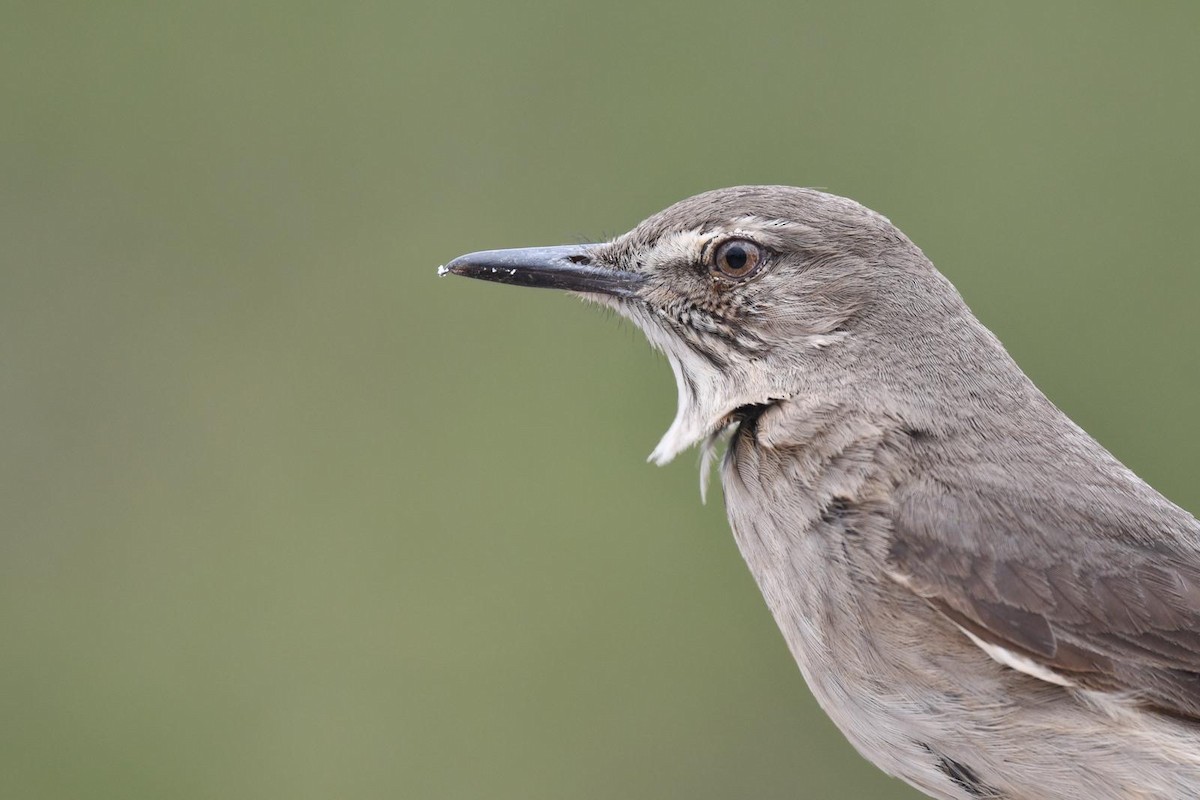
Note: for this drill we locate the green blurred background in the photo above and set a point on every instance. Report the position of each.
(285, 516)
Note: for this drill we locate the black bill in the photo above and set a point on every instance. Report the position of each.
(570, 267)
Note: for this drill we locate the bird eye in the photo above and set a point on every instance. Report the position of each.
(738, 259)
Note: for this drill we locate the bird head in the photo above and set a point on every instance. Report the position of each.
(753, 293)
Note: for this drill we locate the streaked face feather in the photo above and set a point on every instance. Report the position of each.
(732, 343)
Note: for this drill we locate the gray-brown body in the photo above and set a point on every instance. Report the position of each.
(983, 599)
(903, 682)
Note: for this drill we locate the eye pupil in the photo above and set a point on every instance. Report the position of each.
(738, 259)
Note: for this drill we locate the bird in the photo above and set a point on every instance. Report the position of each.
(983, 599)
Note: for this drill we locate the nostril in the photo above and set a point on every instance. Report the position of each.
(580, 258)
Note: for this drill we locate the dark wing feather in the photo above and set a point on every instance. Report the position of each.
(1102, 587)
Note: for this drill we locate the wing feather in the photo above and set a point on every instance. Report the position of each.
(1109, 599)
